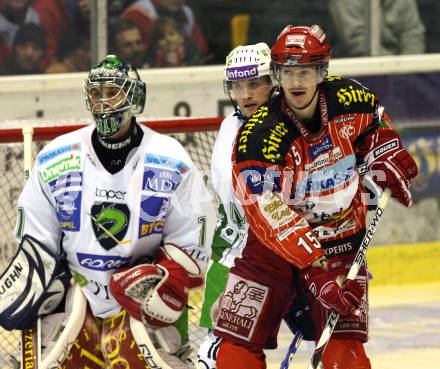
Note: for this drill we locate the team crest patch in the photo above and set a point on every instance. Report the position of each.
(110, 222)
(241, 307)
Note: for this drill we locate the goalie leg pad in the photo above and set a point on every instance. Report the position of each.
(127, 343)
(72, 339)
(207, 354)
(33, 285)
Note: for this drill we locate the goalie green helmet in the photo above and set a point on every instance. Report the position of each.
(114, 92)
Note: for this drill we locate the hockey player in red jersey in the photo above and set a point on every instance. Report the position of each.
(295, 170)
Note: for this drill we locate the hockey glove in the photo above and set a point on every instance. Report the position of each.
(323, 285)
(390, 164)
(156, 293)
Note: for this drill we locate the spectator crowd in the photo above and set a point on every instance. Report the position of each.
(53, 36)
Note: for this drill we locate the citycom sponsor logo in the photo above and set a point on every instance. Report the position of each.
(101, 262)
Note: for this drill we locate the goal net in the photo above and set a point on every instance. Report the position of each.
(197, 135)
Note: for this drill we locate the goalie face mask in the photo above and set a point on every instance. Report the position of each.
(33, 285)
(114, 93)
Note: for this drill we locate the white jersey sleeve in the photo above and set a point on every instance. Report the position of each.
(37, 211)
(231, 231)
(191, 215)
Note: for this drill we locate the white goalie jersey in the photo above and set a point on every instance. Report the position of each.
(105, 221)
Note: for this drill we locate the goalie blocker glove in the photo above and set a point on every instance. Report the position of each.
(157, 293)
(389, 164)
(33, 285)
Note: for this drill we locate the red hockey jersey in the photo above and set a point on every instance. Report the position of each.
(301, 189)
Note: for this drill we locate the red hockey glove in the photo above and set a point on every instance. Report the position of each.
(390, 165)
(344, 300)
(156, 293)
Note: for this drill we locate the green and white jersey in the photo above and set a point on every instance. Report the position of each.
(106, 221)
(231, 230)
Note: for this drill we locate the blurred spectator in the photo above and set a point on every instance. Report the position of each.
(170, 47)
(266, 18)
(14, 13)
(28, 49)
(115, 9)
(145, 12)
(402, 31)
(77, 11)
(430, 13)
(127, 43)
(73, 51)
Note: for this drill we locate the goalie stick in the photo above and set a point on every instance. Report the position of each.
(352, 273)
(30, 338)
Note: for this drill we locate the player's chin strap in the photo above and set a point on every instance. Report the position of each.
(352, 273)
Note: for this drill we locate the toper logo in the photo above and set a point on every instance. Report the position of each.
(109, 194)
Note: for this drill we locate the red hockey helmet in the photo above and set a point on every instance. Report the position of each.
(301, 46)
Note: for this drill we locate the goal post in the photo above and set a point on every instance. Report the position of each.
(20, 141)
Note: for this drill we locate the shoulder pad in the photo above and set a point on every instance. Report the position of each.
(348, 96)
(265, 137)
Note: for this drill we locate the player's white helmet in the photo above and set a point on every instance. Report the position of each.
(114, 92)
(246, 62)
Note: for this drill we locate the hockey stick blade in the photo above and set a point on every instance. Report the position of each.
(291, 351)
(352, 273)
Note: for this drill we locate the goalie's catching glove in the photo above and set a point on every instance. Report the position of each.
(389, 164)
(156, 293)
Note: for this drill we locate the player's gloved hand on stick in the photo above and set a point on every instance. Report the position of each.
(390, 165)
(344, 300)
(331, 291)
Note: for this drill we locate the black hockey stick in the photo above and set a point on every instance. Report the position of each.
(352, 273)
